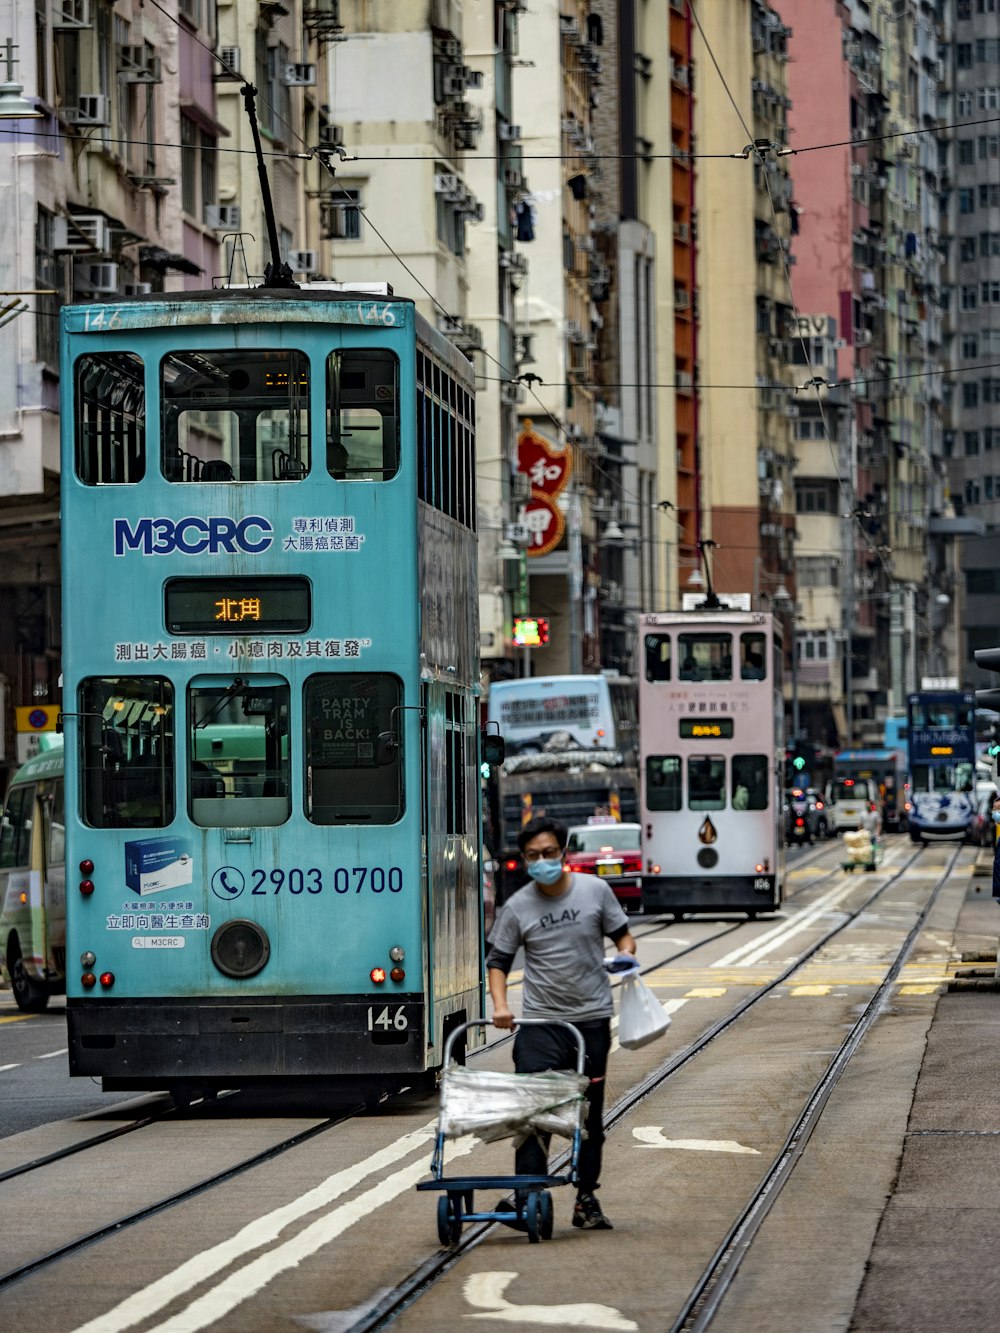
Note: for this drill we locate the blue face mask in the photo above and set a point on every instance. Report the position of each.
(545, 872)
(996, 816)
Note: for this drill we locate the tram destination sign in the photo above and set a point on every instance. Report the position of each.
(240, 603)
(706, 729)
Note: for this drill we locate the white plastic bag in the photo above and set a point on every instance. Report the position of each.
(494, 1106)
(641, 1018)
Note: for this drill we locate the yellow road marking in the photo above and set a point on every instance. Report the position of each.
(705, 993)
(810, 990)
(16, 1018)
(918, 990)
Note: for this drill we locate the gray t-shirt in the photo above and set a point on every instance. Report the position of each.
(563, 941)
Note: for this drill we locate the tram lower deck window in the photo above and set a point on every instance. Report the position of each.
(706, 782)
(238, 761)
(354, 769)
(127, 751)
(750, 783)
(663, 782)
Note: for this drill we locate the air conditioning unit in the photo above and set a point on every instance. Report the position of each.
(585, 244)
(139, 64)
(230, 58)
(69, 14)
(682, 298)
(679, 75)
(513, 179)
(453, 82)
(862, 337)
(451, 48)
(300, 76)
(303, 261)
(518, 534)
(82, 233)
(137, 289)
(222, 217)
(445, 182)
(473, 78)
(93, 109)
(682, 232)
(508, 132)
(101, 279)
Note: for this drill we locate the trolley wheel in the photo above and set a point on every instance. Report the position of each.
(532, 1217)
(449, 1218)
(547, 1219)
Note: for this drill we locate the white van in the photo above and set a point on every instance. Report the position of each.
(852, 803)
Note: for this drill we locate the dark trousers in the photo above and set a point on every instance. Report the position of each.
(539, 1048)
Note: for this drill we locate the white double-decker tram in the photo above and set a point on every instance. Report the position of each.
(711, 738)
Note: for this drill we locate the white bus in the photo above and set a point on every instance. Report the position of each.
(711, 742)
(592, 712)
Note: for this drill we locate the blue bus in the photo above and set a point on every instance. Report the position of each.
(941, 736)
(270, 689)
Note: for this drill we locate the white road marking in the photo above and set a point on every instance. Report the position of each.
(51, 1055)
(750, 955)
(145, 1303)
(486, 1290)
(651, 1136)
(4, 1068)
(246, 1282)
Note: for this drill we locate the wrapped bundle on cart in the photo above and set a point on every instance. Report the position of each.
(862, 850)
(495, 1106)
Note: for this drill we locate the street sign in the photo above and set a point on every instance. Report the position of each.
(37, 717)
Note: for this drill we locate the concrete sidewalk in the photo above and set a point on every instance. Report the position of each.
(934, 1265)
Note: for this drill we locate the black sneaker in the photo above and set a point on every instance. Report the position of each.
(505, 1206)
(587, 1214)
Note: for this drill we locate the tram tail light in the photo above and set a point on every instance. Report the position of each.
(86, 887)
(759, 867)
(107, 980)
(397, 974)
(377, 975)
(86, 867)
(88, 981)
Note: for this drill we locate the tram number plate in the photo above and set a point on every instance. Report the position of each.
(387, 1018)
(762, 884)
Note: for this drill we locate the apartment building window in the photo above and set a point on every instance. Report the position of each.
(989, 195)
(971, 440)
(988, 487)
(970, 394)
(968, 297)
(970, 345)
(340, 212)
(964, 10)
(987, 99)
(971, 491)
(816, 498)
(987, 50)
(991, 438)
(989, 147)
(274, 105)
(987, 6)
(991, 391)
(198, 169)
(815, 571)
(201, 13)
(966, 152)
(48, 274)
(963, 103)
(989, 243)
(966, 200)
(967, 249)
(989, 293)
(963, 55)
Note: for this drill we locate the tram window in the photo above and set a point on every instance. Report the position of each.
(753, 657)
(110, 416)
(235, 415)
(362, 431)
(663, 782)
(238, 762)
(127, 752)
(15, 835)
(657, 656)
(354, 767)
(706, 782)
(750, 782)
(705, 656)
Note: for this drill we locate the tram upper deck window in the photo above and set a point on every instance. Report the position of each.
(753, 657)
(110, 419)
(657, 656)
(238, 763)
(362, 436)
(354, 770)
(663, 782)
(127, 751)
(705, 655)
(235, 415)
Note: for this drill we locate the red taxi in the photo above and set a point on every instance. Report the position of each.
(614, 852)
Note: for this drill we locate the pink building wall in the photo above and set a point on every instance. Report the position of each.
(819, 86)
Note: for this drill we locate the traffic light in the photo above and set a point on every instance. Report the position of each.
(988, 659)
(530, 631)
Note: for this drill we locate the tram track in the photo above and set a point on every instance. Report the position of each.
(724, 1263)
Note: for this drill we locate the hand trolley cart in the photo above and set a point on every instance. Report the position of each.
(863, 851)
(533, 1202)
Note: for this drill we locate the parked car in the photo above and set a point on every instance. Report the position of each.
(981, 829)
(853, 803)
(614, 852)
(809, 816)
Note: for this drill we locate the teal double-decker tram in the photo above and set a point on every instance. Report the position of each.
(270, 681)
